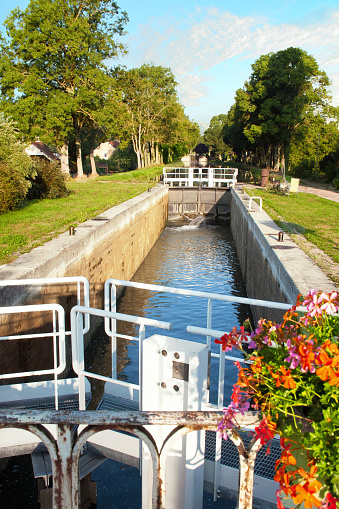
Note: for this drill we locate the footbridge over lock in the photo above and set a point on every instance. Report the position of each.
(199, 191)
(170, 400)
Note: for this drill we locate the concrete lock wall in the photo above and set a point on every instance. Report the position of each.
(272, 270)
(111, 245)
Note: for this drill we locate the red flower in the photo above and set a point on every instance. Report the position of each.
(265, 431)
(330, 503)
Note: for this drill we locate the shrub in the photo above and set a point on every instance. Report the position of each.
(49, 181)
(335, 183)
(12, 189)
(16, 167)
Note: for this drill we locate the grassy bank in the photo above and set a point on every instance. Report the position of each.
(309, 216)
(38, 221)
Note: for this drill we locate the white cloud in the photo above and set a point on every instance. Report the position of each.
(193, 46)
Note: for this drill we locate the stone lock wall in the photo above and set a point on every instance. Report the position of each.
(272, 270)
(111, 245)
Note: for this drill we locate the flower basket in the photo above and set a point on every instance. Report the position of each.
(292, 379)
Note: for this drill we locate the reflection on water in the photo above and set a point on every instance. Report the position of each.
(198, 258)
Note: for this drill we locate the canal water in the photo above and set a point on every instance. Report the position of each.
(192, 257)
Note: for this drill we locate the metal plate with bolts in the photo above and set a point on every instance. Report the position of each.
(180, 371)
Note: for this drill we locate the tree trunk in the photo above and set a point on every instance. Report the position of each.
(137, 150)
(64, 158)
(287, 158)
(283, 163)
(78, 147)
(94, 168)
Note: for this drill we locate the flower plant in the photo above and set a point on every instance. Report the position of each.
(292, 379)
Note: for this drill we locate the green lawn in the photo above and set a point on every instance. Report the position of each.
(314, 217)
(38, 221)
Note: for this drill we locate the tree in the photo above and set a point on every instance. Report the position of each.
(311, 143)
(53, 76)
(148, 113)
(145, 93)
(213, 136)
(234, 126)
(283, 89)
(16, 167)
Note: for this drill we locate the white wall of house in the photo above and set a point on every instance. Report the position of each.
(104, 151)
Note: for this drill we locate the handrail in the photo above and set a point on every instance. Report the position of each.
(59, 350)
(250, 204)
(213, 177)
(193, 293)
(78, 349)
(65, 451)
(57, 280)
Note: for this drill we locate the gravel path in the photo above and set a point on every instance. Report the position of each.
(322, 190)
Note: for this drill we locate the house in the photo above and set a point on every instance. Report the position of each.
(39, 150)
(106, 149)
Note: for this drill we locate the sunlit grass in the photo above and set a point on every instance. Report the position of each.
(315, 217)
(38, 221)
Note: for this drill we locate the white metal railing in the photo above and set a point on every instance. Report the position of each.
(78, 349)
(82, 291)
(81, 314)
(110, 304)
(210, 177)
(59, 343)
(251, 200)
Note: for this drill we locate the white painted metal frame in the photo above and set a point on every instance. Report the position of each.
(59, 342)
(210, 177)
(79, 280)
(78, 349)
(251, 200)
(110, 302)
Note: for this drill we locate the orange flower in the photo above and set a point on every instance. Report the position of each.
(284, 478)
(306, 491)
(287, 458)
(328, 364)
(335, 379)
(285, 378)
(304, 495)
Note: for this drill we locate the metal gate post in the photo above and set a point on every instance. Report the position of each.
(190, 177)
(63, 472)
(246, 471)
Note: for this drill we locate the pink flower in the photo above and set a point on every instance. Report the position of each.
(313, 307)
(330, 303)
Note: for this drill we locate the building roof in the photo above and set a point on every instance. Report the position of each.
(39, 148)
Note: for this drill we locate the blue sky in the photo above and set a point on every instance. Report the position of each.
(210, 45)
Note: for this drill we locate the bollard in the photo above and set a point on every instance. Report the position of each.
(281, 236)
(71, 230)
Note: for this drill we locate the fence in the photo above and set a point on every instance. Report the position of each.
(66, 444)
(210, 177)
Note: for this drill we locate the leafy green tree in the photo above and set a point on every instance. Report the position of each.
(315, 139)
(147, 111)
(145, 94)
(213, 136)
(284, 88)
(53, 76)
(16, 167)
(235, 123)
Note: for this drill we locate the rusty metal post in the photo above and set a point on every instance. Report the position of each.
(63, 468)
(246, 470)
